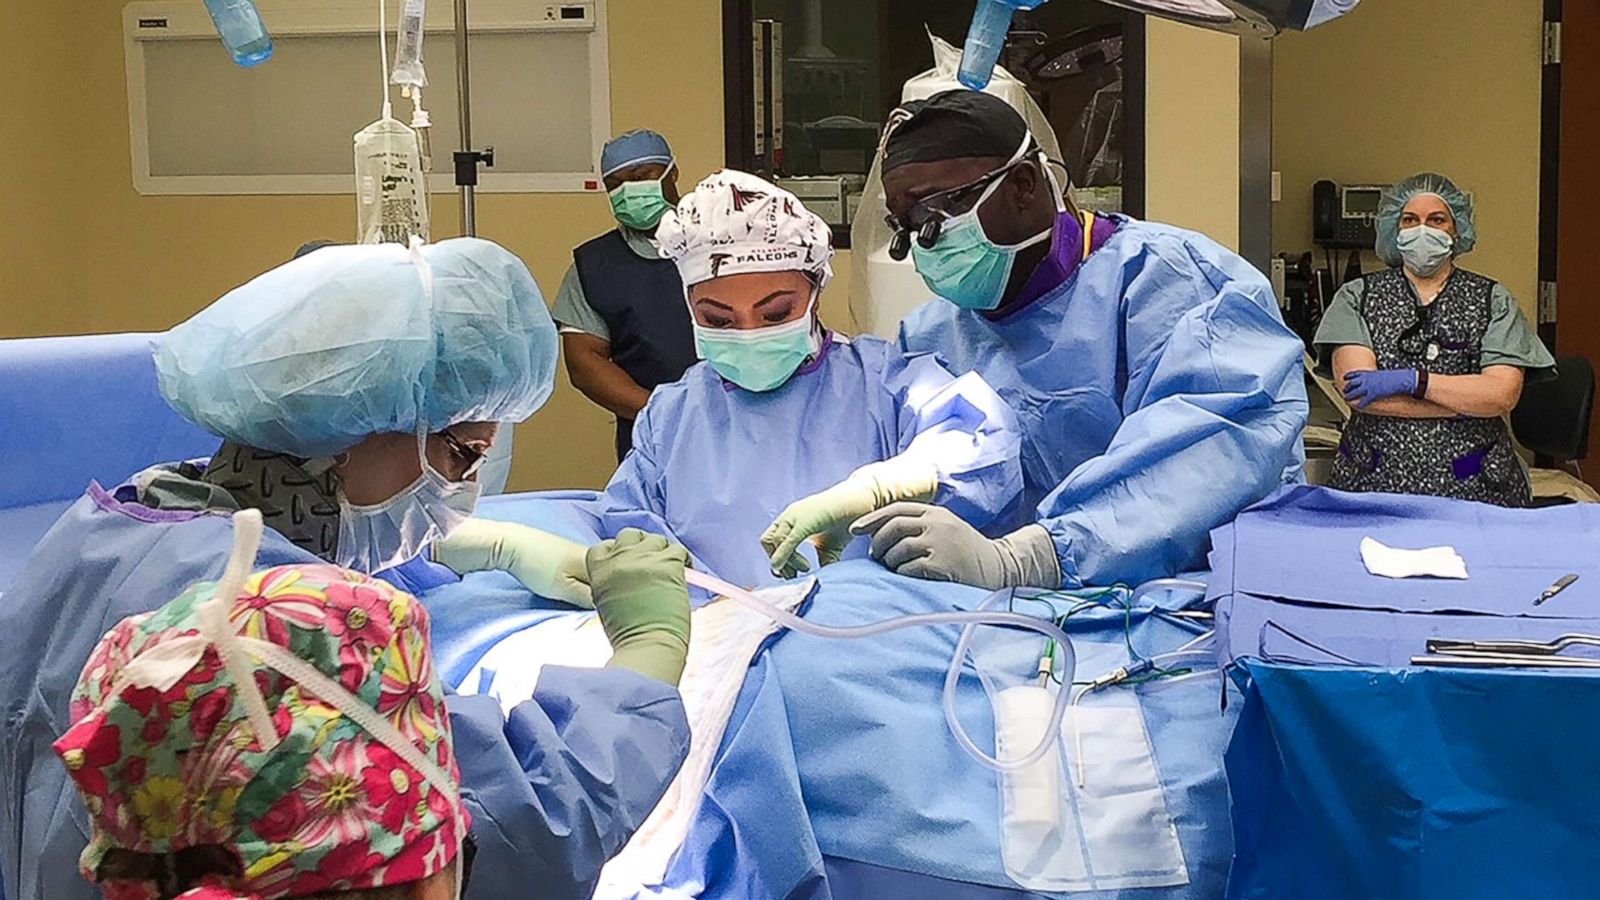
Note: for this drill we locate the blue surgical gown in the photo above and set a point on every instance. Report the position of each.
(713, 464)
(554, 789)
(1159, 393)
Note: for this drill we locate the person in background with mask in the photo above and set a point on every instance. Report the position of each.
(356, 390)
(1158, 389)
(624, 329)
(1432, 357)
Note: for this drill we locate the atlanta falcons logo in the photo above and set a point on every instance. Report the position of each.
(717, 260)
(743, 197)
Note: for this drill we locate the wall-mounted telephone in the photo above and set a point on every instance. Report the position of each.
(1345, 217)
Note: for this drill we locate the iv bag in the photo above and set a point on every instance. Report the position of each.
(391, 188)
(408, 68)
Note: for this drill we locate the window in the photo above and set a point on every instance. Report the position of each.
(201, 125)
(809, 83)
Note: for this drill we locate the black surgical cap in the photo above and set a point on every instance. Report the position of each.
(958, 124)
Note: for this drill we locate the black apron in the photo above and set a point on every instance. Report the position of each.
(643, 305)
(1463, 458)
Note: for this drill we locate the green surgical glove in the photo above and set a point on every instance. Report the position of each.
(824, 518)
(548, 565)
(643, 601)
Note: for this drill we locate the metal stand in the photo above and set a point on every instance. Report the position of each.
(1255, 151)
(467, 159)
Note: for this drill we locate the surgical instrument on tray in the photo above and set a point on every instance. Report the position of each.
(1526, 648)
(1561, 584)
(1507, 661)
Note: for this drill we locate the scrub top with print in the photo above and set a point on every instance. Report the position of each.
(1474, 323)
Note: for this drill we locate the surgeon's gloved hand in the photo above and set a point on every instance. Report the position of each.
(933, 543)
(1361, 389)
(643, 602)
(824, 518)
(546, 564)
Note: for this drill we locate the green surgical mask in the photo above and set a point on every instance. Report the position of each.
(758, 359)
(639, 204)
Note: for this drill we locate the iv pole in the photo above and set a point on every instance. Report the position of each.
(467, 159)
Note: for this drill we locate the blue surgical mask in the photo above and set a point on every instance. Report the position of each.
(759, 359)
(382, 535)
(964, 266)
(1425, 249)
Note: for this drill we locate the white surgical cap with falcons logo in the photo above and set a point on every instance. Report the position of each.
(735, 222)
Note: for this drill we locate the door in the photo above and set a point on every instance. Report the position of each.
(1576, 230)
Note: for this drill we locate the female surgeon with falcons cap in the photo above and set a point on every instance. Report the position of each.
(356, 389)
(1158, 389)
(786, 432)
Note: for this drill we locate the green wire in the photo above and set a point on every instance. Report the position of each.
(1105, 596)
(1127, 630)
(1157, 675)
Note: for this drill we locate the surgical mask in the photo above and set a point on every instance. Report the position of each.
(639, 204)
(964, 266)
(760, 359)
(377, 537)
(1425, 249)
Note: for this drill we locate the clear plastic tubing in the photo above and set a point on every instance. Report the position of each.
(970, 619)
(239, 24)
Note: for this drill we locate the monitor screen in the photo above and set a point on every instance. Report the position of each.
(1361, 202)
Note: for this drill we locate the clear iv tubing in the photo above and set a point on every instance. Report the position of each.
(383, 56)
(970, 619)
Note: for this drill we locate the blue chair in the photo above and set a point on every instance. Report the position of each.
(75, 410)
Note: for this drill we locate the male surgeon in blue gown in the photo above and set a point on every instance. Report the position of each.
(1158, 389)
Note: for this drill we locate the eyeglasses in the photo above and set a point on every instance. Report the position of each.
(927, 216)
(471, 459)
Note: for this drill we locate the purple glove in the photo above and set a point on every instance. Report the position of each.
(1362, 388)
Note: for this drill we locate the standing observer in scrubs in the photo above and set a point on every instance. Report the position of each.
(357, 390)
(1158, 389)
(1431, 357)
(624, 328)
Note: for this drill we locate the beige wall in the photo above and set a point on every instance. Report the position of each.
(1402, 86)
(1192, 130)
